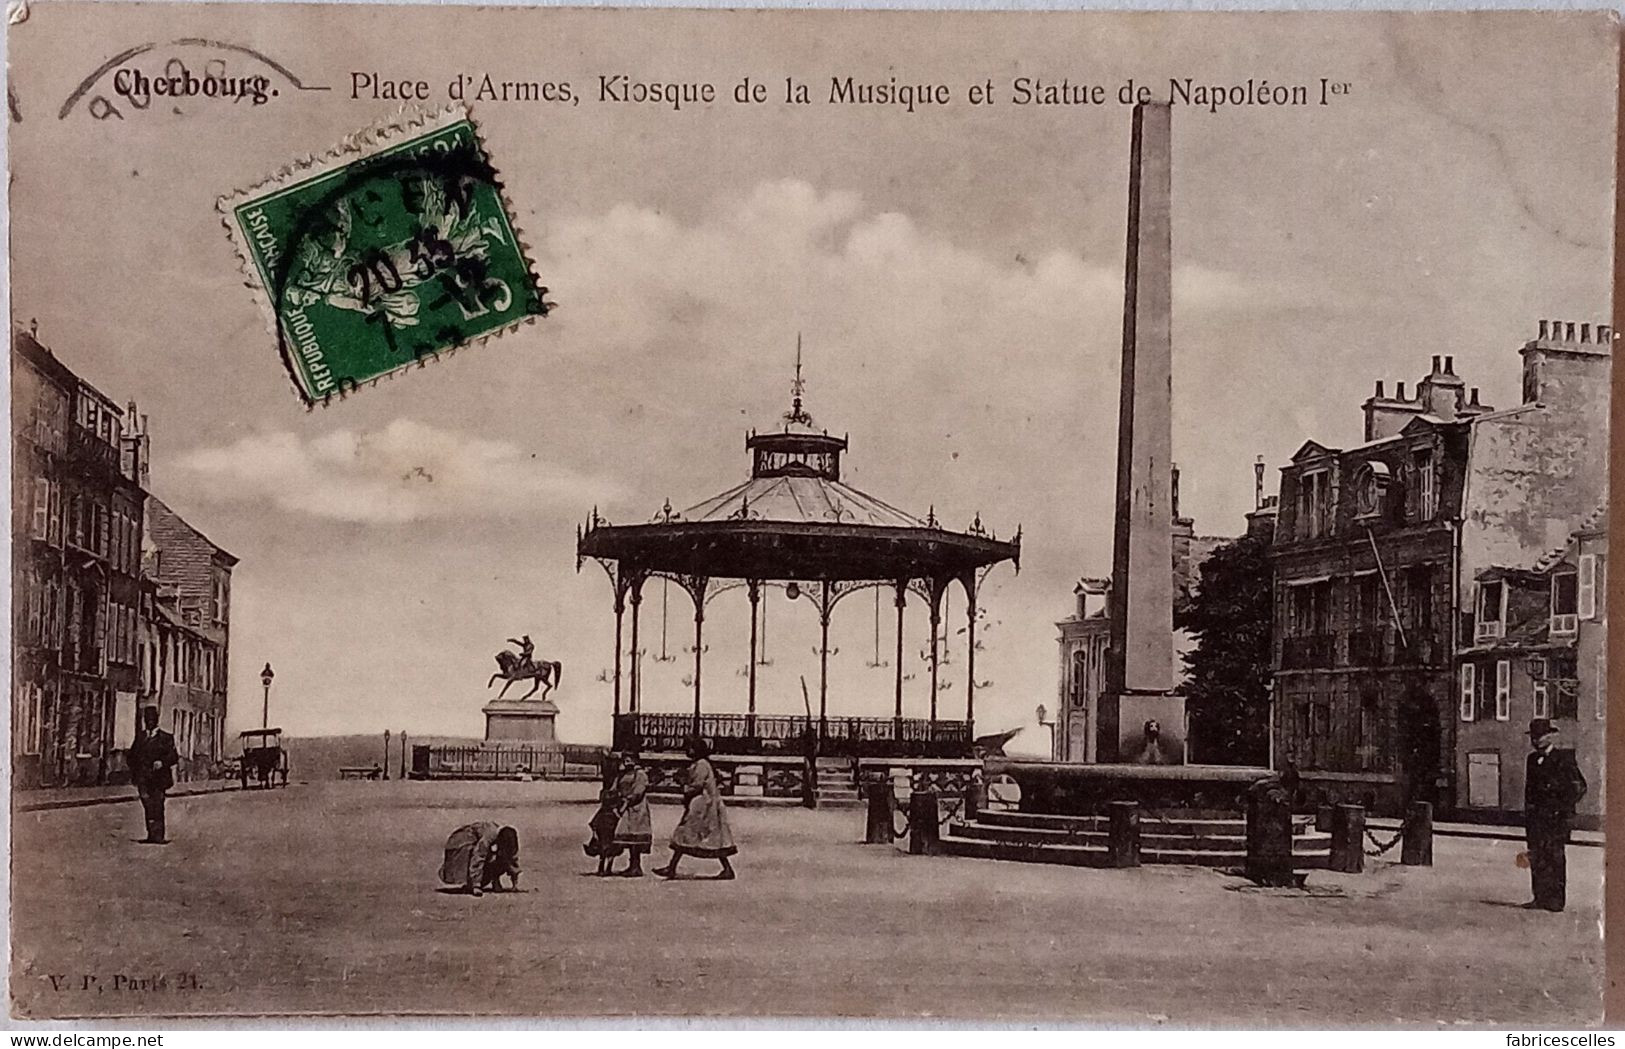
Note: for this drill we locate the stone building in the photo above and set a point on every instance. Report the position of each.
(76, 525)
(1537, 648)
(1378, 546)
(188, 635)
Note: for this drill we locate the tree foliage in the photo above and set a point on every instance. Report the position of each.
(1227, 690)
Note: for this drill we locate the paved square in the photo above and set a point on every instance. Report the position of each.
(323, 898)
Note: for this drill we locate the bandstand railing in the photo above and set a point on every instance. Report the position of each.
(796, 734)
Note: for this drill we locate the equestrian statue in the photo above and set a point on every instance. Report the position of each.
(522, 666)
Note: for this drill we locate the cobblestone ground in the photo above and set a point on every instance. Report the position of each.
(323, 898)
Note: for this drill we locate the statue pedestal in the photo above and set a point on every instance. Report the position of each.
(520, 721)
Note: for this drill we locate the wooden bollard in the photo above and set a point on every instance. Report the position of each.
(809, 784)
(882, 811)
(1269, 838)
(922, 823)
(1123, 833)
(1417, 848)
(1348, 839)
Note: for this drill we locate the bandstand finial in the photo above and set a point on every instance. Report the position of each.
(798, 414)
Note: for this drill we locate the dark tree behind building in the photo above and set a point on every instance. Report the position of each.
(1227, 691)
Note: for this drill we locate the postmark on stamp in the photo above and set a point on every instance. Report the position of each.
(387, 252)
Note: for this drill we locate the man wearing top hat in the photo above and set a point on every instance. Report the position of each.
(1552, 786)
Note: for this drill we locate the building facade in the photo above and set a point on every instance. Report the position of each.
(118, 603)
(188, 640)
(1536, 648)
(77, 510)
(1378, 548)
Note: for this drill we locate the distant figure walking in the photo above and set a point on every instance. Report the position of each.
(478, 855)
(1552, 786)
(703, 830)
(152, 758)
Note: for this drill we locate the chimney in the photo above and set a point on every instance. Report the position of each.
(1544, 329)
(1450, 365)
(1585, 333)
(1473, 398)
(1378, 394)
(1399, 391)
(1435, 370)
(1568, 331)
(1258, 472)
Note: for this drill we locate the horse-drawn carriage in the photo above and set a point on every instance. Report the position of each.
(264, 761)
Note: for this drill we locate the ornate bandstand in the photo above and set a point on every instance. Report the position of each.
(796, 526)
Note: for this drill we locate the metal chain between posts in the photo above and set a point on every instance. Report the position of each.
(1383, 847)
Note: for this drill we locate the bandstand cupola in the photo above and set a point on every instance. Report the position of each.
(798, 449)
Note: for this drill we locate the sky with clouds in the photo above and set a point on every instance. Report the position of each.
(955, 277)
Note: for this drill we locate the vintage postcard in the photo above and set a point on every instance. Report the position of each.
(1014, 518)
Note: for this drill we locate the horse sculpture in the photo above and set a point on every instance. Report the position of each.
(514, 667)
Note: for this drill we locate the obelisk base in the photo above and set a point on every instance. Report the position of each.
(1150, 727)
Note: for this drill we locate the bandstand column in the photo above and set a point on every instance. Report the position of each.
(754, 588)
(699, 647)
(824, 608)
(969, 580)
(620, 609)
(635, 592)
(897, 711)
(936, 657)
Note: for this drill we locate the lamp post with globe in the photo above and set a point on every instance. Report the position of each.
(265, 711)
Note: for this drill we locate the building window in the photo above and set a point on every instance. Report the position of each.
(1469, 698)
(222, 600)
(1539, 690)
(1314, 504)
(1566, 602)
(1490, 620)
(1503, 690)
(1427, 501)
(1565, 686)
(1368, 733)
(1080, 676)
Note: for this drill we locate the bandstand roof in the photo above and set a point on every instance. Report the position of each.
(795, 519)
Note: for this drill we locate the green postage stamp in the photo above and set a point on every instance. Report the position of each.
(393, 249)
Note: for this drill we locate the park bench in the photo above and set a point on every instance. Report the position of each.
(360, 772)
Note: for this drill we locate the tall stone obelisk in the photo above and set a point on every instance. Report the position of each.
(1140, 664)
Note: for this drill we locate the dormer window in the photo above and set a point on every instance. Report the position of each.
(1565, 602)
(1314, 504)
(1490, 620)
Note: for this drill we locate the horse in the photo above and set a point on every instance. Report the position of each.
(540, 672)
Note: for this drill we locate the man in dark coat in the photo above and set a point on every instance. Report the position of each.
(1552, 786)
(152, 758)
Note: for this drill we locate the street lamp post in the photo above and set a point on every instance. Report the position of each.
(1042, 713)
(265, 711)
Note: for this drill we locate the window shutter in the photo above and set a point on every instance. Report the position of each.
(1600, 685)
(1503, 689)
(1587, 603)
(42, 507)
(1542, 698)
(1467, 692)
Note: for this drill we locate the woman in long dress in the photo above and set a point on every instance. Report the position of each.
(703, 830)
(633, 832)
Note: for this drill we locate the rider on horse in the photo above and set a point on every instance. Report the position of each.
(527, 649)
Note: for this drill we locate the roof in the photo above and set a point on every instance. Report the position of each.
(803, 500)
(1596, 520)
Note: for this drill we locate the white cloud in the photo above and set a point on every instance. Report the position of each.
(407, 471)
